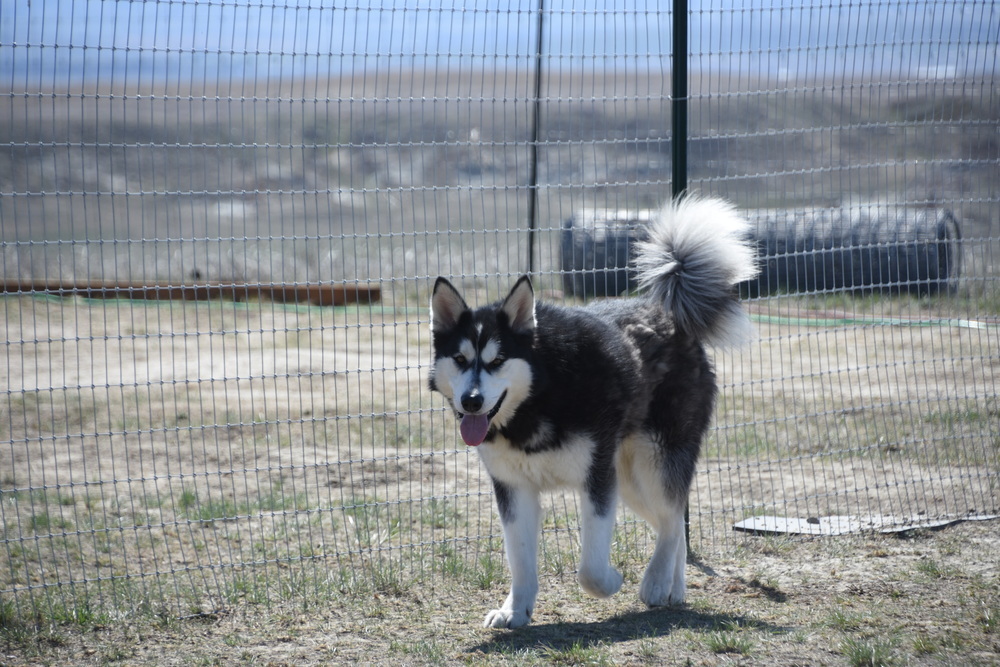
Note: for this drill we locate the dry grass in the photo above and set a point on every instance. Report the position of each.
(186, 458)
(926, 599)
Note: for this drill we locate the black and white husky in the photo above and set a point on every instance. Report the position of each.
(609, 399)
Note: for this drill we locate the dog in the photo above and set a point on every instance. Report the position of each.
(611, 399)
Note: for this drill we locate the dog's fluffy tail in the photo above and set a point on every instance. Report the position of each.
(696, 254)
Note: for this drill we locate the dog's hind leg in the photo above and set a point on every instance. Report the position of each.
(520, 514)
(664, 580)
(644, 488)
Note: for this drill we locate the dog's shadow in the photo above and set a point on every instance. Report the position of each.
(628, 626)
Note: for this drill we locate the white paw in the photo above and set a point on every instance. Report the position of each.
(601, 584)
(656, 593)
(507, 618)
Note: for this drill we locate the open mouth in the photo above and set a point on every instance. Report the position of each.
(475, 427)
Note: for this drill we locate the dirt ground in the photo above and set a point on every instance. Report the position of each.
(923, 598)
(188, 444)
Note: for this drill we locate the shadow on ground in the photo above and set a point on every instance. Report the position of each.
(629, 626)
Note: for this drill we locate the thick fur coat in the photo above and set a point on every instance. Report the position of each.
(611, 399)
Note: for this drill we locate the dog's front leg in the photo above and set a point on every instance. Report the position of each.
(520, 513)
(597, 528)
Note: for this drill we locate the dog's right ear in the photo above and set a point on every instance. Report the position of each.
(520, 306)
(447, 305)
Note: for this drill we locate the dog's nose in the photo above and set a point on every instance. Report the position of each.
(472, 401)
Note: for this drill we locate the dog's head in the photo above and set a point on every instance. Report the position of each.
(482, 356)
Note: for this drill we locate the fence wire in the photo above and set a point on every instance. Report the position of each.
(219, 224)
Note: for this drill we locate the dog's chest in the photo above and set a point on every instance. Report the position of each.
(564, 466)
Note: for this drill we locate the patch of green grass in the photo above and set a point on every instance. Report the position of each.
(215, 509)
(425, 650)
(764, 545)
(846, 621)
(26, 629)
(92, 502)
(7, 492)
(440, 513)
(276, 500)
(646, 650)
(578, 653)
(370, 522)
(9, 618)
(869, 652)
(932, 569)
(989, 618)
(954, 640)
(988, 302)
(700, 605)
(451, 563)
(192, 506)
(43, 521)
(307, 587)
(970, 415)
(730, 638)
(489, 573)
(741, 442)
(248, 588)
(557, 561)
(950, 426)
(80, 612)
(559, 520)
(483, 573)
(924, 646)
(187, 500)
(390, 579)
(40, 521)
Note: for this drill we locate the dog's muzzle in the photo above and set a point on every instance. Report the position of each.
(474, 428)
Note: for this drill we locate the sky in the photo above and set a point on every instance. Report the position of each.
(49, 42)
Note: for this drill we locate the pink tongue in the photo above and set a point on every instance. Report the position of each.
(474, 428)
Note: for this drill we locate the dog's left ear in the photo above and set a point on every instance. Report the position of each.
(447, 305)
(520, 306)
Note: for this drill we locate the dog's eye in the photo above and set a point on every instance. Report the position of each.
(496, 363)
(460, 359)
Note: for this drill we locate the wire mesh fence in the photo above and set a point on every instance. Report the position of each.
(183, 427)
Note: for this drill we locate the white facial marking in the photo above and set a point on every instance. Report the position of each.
(490, 351)
(514, 378)
(445, 372)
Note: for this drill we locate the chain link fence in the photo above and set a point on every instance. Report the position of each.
(220, 221)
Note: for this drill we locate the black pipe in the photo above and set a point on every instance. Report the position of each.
(678, 139)
(679, 100)
(533, 162)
